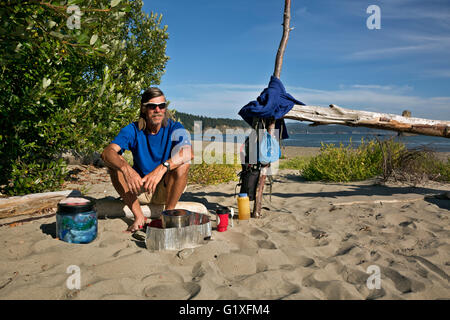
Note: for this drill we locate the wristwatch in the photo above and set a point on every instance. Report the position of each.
(167, 165)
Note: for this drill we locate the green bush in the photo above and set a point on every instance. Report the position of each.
(297, 163)
(343, 164)
(445, 171)
(418, 165)
(36, 177)
(214, 173)
(389, 159)
(70, 89)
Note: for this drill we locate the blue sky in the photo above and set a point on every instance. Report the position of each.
(222, 54)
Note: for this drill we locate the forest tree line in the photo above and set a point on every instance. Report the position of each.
(217, 123)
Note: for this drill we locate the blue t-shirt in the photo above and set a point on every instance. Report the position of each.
(150, 150)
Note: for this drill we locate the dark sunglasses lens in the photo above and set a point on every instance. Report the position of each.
(154, 105)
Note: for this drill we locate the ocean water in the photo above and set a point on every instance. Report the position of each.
(438, 144)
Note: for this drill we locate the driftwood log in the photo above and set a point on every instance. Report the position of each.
(356, 118)
(37, 203)
(33, 203)
(114, 208)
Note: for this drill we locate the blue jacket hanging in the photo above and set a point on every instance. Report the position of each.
(273, 102)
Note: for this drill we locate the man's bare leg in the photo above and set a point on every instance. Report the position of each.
(118, 181)
(176, 181)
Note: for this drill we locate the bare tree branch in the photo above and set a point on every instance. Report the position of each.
(284, 39)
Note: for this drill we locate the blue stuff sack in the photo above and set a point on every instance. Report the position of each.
(269, 149)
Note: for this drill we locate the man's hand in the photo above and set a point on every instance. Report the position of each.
(133, 180)
(152, 179)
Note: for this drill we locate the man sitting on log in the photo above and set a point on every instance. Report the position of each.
(161, 151)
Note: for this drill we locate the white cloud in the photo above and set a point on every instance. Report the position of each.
(384, 53)
(440, 73)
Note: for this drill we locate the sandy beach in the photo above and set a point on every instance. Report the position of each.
(315, 241)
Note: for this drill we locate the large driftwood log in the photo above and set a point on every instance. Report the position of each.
(114, 208)
(357, 118)
(33, 203)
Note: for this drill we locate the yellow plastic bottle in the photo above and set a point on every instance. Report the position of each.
(243, 206)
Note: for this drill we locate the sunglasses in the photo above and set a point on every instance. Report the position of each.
(153, 106)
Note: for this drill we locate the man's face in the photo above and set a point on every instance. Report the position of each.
(156, 115)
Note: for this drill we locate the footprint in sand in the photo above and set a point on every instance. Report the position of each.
(430, 266)
(235, 264)
(269, 285)
(168, 286)
(175, 291)
(334, 289)
(376, 294)
(100, 288)
(258, 234)
(297, 259)
(345, 249)
(354, 276)
(402, 283)
(266, 244)
(225, 293)
(303, 261)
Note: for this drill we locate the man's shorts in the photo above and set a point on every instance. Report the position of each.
(159, 197)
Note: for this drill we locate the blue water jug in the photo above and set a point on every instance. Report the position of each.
(76, 220)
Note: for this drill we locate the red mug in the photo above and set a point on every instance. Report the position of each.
(222, 219)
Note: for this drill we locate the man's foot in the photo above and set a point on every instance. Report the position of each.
(138, 225)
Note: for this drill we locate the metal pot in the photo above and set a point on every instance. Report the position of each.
(176, 218)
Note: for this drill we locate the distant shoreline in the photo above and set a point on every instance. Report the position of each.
(289, 152)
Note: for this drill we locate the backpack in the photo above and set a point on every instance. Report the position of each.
(267, 151)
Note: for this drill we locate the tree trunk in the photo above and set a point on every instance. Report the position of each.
(357, 118)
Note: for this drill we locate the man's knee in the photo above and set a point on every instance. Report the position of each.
(114, 174)
(118, 181)
(182, 171)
